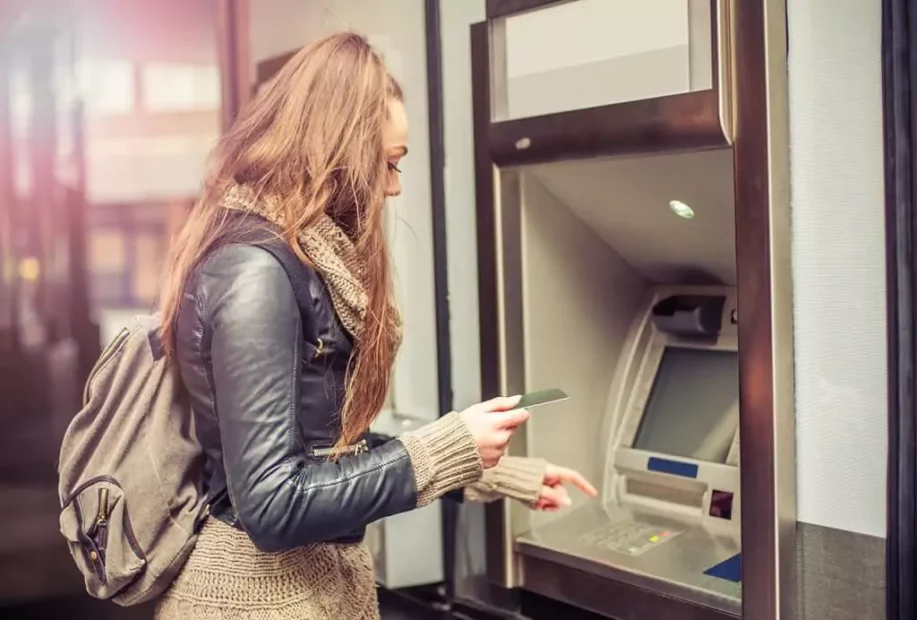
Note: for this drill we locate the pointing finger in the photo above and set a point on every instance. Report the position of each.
(577, 480)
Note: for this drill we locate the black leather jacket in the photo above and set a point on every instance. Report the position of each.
(265, 405)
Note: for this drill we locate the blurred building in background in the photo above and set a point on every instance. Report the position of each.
(150, 78)
(108, 111)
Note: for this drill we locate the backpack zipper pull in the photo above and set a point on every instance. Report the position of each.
(101, 529)
(102, 517)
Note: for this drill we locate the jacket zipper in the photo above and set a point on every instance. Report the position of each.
(360, 447)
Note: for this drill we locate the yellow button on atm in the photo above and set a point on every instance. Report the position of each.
(654, 539)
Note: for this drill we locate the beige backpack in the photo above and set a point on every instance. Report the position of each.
(129, 469)
(131, 465)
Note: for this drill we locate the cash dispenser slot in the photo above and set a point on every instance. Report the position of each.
(691, 316)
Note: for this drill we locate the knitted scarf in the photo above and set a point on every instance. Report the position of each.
(332, 254)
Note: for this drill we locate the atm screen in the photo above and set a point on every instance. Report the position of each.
(693, 407)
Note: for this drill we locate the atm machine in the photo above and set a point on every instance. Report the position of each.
(607, 268)
(629, 307)
(669, 516)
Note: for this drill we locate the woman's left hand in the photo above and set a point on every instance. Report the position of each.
(553, 494)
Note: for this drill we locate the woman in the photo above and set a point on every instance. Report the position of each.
(282, 414)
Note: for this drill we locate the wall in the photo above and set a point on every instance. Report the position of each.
(839, 304)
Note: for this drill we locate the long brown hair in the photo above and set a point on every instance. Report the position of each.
(311, 142)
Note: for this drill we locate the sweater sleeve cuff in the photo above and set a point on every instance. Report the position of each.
(444, 457)
(514, 477)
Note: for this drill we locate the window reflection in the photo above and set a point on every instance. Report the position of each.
(127, 244)
(107, 86)
(176, 87)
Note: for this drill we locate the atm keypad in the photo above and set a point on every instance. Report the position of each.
(629, 537)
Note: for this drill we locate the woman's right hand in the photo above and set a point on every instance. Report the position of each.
(492, 424)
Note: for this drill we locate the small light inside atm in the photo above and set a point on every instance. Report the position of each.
(681, 209)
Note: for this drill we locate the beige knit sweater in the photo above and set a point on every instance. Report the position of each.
(227, 578)
(445, 458)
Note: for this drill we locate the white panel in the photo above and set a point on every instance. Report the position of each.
(593, 31)
(605, 52)
(838, 262)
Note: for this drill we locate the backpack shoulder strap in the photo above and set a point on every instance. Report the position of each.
(252, 229)
(296, 271)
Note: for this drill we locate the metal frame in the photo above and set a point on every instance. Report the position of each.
(503, 8)
(595, 592)
(440, 261)
(689, 121)
(767, 423)
(899, 25)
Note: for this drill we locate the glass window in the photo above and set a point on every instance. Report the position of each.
(107, 86)
(107, 251)
(150, 255)
(180, 87)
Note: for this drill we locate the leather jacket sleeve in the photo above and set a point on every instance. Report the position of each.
(282, 498)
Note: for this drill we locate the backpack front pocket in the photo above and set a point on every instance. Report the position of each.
(96, 522)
